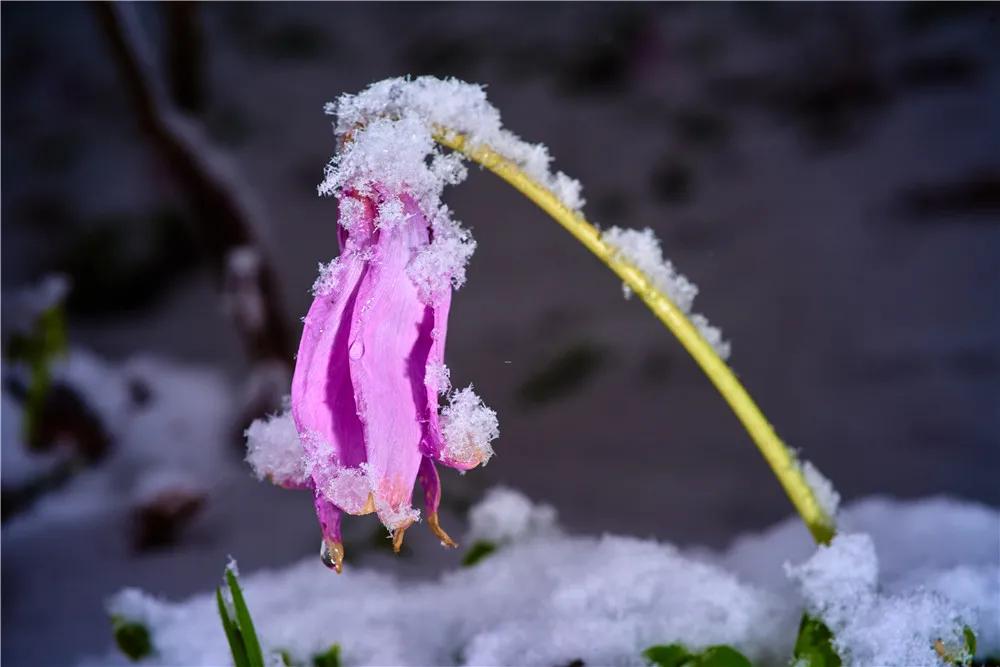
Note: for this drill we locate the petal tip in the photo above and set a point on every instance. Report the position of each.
(332, 555)
(435, 525)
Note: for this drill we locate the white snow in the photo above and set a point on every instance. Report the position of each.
(176, 437)
(328, 278)
(441, 264)
(21, 466)
(274, 451)
(840, 586)
(642, 250)
(439, 376)
(457, 106)
(31, 301)
(505, 515)
(826, 495)
(545, 598)
(468, 427)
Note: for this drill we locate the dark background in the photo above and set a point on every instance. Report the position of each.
(829, 175)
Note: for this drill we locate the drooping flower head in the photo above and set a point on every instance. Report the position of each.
(370, 369)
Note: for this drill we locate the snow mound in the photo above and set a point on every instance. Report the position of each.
(544, 598)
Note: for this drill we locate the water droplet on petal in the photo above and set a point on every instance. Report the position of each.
(357, 350)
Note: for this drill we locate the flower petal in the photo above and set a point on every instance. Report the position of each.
(390, 341)
(332, 549)
(323, 405)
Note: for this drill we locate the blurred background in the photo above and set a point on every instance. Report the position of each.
(828, 175)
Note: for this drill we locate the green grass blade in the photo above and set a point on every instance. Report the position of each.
(232, 634)
(245, 623)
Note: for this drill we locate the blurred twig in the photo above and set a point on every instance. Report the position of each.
(229, 219)
(185, 48)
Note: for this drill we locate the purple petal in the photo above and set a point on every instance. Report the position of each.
(431, 484)
(323, 403)
(390, 342)
(329, 518)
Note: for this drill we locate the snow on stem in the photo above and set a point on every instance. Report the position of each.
(778, 455)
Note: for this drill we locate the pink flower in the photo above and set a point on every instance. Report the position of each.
(370, 370)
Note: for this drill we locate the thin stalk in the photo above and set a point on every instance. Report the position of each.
(782, 460)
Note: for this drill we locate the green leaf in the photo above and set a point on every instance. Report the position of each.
(721, 656)
(814, 645)
(132, 638)
(478, 551)
(330, 658)
(232, 633)
(676, 655)
(37, 349)
(671, 655)
(970, 640)
(254, 656)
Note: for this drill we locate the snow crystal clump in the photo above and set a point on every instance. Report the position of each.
(441, 264)
(822, 488)
(348, 488)
(388, 147)
(642, 250)
(505, 515)
(468, 427)
(453, 105)
(274, 451)
(438, 376)
(329, 276)
(839, 584)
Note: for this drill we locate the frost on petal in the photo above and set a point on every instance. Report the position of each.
(347, 488)
(328, 280)
(390, 214)
(390, 343)
(642, 250)
(351, 213)
(437, 378)
(439, 267)
(467, 428)
(274, 452)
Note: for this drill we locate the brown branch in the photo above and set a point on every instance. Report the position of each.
(230, 227)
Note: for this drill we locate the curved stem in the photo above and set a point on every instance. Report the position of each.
(781, 459)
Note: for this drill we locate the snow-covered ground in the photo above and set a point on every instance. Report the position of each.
(546, 598)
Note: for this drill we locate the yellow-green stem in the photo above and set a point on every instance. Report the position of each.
(781, 459)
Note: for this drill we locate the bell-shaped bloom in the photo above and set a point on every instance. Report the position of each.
(370, 371)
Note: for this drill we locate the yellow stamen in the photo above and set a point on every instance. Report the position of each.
(781, 459)
(435, 526)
